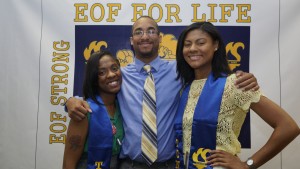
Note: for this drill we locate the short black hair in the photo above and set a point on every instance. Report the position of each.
(90, 83)
(220, 65)
(145, 16)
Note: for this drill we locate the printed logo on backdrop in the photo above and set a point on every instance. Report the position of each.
(90, 38)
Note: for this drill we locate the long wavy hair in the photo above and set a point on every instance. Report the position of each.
(220, 67)
(90, 83)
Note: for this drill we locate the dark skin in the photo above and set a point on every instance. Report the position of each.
(146, 49)
(285, 130)
(109, 82)
(77, 132)
(75, 142)
(77, 109)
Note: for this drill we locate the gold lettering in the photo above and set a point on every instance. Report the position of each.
(137, 12)
(57, 139)
(57, 117)
(55, 89)
(56, 100)
(79, 14)
(98, 164)
(225, 12)
(97, 12)
(53, 138)
(160, 12)
(57, 125)
(212, 13)
(102, 12)
(113, 11)
(64, 68)
(64, 46)
(241, 13)
(174, 14)
(59, 79)
(64, 57)
(195, 12)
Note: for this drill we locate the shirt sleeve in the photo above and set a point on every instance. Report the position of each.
(243, 99)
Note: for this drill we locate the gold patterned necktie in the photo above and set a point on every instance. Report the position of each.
(149, 132)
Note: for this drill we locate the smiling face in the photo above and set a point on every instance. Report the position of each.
(146, 44)
(109, 76)
(198, 51)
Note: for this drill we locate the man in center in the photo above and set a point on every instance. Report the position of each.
(145, 41)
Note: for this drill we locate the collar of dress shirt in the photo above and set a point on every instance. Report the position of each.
(155, 64)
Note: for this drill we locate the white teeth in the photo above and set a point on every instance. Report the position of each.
(145, 44)
(113, 84)
(194, 57)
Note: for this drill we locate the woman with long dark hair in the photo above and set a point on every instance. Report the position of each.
(212, 110)
(96, 140)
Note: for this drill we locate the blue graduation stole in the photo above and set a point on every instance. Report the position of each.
(204, 127)
(100, 137)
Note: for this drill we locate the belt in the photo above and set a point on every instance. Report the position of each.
(138, 164)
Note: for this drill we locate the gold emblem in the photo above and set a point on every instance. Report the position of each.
(201, 154)
(125, 56)
(233, 49)
(98, 164)
(167, 51)
(167, 47)
(93, 47)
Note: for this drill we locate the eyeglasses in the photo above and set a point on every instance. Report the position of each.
(140, 33)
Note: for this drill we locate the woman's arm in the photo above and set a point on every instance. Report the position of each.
(285, 129)
(76, 136)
